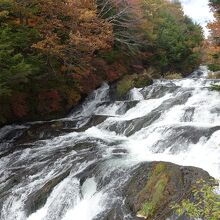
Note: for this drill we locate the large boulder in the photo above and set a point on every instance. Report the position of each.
(155, 186)
(151, 190)
(130, 81)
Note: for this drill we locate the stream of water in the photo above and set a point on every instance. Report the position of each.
(92, 151)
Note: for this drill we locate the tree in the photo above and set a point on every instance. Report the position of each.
(213, 51)
(71, 32)
(126, 17)
(175, 38)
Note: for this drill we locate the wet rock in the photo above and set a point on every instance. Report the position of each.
(158, 91)
(197, 74)
(51, 129)
(126, 106)
(41, 131)
(119, 151)
(143, 81)
(93, 121)
(124, 85)
(188, 115)
(38, 198)
(118, 214)
(129, 127)
(130, 81)
(154, 186)
(186, 135)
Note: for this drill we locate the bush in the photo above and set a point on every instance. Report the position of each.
(214, 67)
(215, 87)
(205, 203)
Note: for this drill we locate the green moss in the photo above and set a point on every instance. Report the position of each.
(111, 56)
(214, 67)
(147, 209)
(159, 168)
(173, 76)
(130, 81)
(125, 85)
(155, 187)
(142, 81)
(159, 190)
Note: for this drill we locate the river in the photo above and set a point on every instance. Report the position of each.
(85, 158)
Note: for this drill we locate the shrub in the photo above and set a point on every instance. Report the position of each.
(215, 87)
(205, 203)
(214, 67)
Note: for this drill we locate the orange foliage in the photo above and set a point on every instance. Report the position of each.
(49, 101)
(19, 105)
(72, 31)
(214, 27)
(87, 81)
(115, 71)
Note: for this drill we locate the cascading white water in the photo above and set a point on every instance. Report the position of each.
(176, 121)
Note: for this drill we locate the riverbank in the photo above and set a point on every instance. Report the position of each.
(54, 53)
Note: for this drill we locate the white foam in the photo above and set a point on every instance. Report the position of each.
(90, 204)
(71, 201)
(136, 95)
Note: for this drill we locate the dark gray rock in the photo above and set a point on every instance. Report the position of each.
(37, 199)
(157, 184)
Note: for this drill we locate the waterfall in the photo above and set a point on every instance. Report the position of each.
(76, 170)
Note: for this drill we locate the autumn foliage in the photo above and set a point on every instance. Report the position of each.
(213, 49)
(55, 52)
(71, 31)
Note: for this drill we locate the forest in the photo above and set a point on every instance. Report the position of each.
(54, 53)
(213, 50)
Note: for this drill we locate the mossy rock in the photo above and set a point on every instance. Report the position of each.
(124, 85)
(172, 75)
(38, 198)
(142, 81)
(154, 186)
(130, 81)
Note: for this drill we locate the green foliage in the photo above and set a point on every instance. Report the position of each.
(175, 41)
(130, 81)
(147, 209)
(204, 205)
(14, 69)
(215, 87)
(111, 56)
(53, 45)
(18, 62)
(214, 67)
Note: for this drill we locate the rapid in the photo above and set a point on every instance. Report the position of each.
(73, 168)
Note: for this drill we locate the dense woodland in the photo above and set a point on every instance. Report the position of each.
(53, 53)
(213, 50)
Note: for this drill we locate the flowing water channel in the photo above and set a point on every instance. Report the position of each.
(73, 168)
